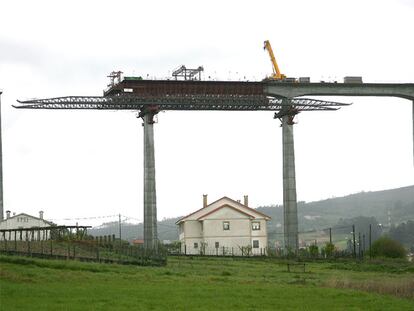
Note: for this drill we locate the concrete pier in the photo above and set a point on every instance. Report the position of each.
(150, 197)
(290, 209)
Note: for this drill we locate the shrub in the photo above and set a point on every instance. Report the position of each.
(386, 247)
(314, 250)
(329, 249)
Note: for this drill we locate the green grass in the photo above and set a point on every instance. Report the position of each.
(190, 284)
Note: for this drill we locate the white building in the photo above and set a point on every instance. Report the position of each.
(23, 221)
(224, 227)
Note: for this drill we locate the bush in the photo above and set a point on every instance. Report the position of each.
(386, 247)
(329, 249)
(314, 250)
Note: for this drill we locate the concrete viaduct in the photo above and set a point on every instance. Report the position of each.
(151, 96)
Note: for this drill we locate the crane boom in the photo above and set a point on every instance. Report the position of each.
(276, 72)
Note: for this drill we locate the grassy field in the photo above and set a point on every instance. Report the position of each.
(204, 284)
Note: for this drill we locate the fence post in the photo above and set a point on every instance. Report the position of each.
(223, 250)
(5, 241)
(359, 245)
(15, 241)
(27, 243)
(51, 247)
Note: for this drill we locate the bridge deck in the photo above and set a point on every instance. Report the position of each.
(155, 88)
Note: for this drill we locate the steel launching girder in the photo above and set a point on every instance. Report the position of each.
(183, 102)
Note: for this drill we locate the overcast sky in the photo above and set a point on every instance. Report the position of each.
(90, 163)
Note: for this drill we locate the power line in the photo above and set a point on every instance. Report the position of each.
(83, 218)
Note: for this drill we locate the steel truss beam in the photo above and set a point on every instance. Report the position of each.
(185, 102)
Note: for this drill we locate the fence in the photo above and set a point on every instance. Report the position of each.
(78, 247)
(353, 240)
(348, 241)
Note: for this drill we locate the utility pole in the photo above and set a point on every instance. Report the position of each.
(370, 230)
(330, 235)
(1, 170)
(353, 239)
(120, 232)
(363, 245)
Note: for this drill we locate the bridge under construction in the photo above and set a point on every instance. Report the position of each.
(148, 97)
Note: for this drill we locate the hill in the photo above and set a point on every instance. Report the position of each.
(396, 205)
(399, 203)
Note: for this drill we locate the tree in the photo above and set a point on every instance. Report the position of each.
(387, 247)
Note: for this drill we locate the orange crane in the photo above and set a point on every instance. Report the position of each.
(276, 72)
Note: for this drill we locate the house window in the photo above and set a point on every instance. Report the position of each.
(226, 225)
(255, 225)
(255, 243)
(195, 245)
(217, 244)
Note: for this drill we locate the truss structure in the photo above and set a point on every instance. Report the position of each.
(190, 102)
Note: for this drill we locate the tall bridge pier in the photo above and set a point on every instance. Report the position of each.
(290, 209)
(150, 196)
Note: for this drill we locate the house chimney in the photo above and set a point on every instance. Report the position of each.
(41, 214)
(7, 214)
(204, 200)
(246, 200)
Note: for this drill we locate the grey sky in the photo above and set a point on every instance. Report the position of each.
(87, 163)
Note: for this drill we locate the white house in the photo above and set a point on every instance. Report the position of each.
(22, 221)
(224, 227)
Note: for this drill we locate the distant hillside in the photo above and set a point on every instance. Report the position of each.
(326, 213)
(167, 230)
(313, 215)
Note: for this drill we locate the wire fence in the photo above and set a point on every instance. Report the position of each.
(347, 241)
(68, 246)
